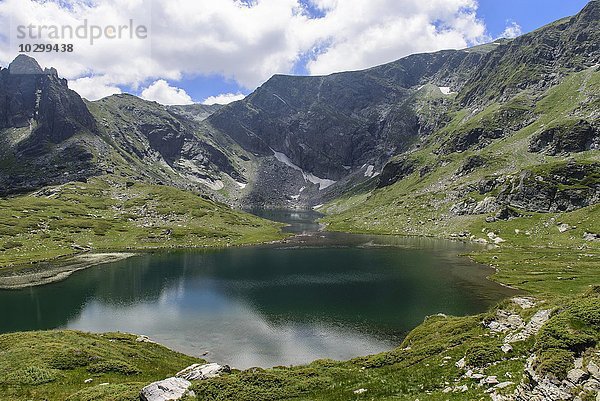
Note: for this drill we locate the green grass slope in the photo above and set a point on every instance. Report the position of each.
(110, 214)
(117, 364)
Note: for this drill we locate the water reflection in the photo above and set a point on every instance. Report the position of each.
(326, 295)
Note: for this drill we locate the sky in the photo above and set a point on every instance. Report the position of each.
(218, 51)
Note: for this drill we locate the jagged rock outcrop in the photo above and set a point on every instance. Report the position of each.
(567, 137)
(47, 133)
(396, 170)
(563, 188)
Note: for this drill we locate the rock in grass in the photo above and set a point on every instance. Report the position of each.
(144, 339)
(576, 376)
(203, 372)
(169, 389)
(524, 302)
(360, 391)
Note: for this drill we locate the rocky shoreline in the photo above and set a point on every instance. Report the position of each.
(48, 273)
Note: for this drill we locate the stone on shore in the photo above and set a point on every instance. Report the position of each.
(173, 388)
(203, 372)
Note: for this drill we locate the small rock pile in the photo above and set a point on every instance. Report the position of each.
(580, 380)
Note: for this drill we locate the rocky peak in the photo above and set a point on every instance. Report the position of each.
(40, 99)
(591, 12)
(25, 65)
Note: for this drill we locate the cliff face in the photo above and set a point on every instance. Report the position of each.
(47, 133)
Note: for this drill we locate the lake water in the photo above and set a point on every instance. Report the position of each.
(318, 295)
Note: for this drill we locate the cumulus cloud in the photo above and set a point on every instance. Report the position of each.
(163, 93)
(224, 98)
(244, 41)
(94, 88)
(512, 31)
(358, 34)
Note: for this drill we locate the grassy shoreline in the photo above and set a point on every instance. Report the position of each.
(423, 366)
(46, 235)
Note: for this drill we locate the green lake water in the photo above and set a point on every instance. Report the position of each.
(318, 295)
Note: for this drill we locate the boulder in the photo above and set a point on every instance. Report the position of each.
(203, 372)
(576, 376)
(173, 388)
(591, 237)
(594, 370)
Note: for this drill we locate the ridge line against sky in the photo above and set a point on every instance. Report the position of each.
(217, 51)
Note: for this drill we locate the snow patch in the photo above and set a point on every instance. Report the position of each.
(295, 197)
(278, 97)
(321, 182)
(317, 207)
(446, 90)
(369, 172)
(241, 184)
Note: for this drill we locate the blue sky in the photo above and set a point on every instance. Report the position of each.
(529, 14)
(497, 14)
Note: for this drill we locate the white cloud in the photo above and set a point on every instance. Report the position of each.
(360, 34)
(512, 31)
(224, 98)
(245, 41)
(163, 93)
(93, 88)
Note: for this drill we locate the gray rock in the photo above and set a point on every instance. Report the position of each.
(203, 372)
(144, 339)
(532, 328)
(503, 385)
(576, 376)
(506, 348)
(173, 388)
(524, 303)
(591, 385)
(505, 321)
(564, 228)
(594, 370)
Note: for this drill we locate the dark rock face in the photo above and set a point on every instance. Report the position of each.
(330, 126)
(566, 138)
(48, 115)
(478, 137)
(562, 189)
(395, 171)
(30, 94)
(471, 164)
(152, 132)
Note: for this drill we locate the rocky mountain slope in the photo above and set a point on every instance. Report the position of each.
(47, 134)
(302, 141)
(531, 147)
